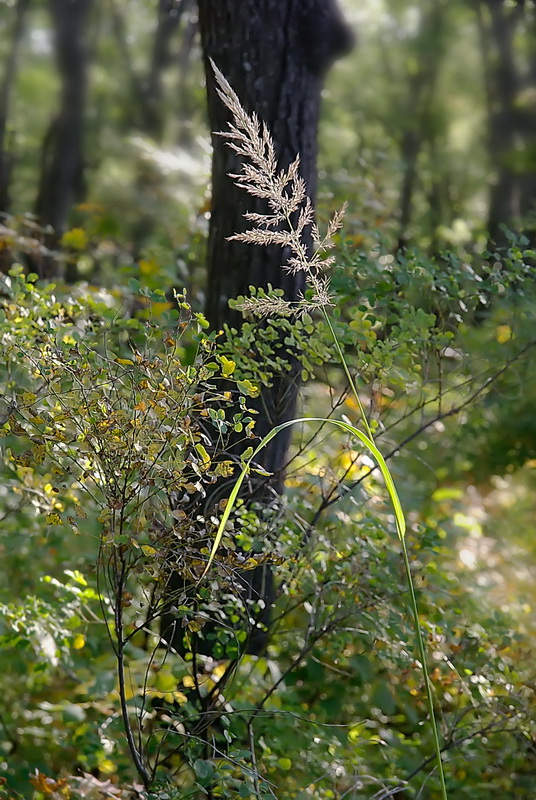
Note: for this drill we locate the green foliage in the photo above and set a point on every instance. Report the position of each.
(108, 432)
(124, 424)
(336, 704)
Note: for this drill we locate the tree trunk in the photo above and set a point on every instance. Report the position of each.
(147, 106)
(6, 89)
(146, 109)
(418, 130)
(170, 13)
(61, 182)
(527, 114)
(275, 54)
(497, 33)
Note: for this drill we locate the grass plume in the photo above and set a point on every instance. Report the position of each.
(289, 221)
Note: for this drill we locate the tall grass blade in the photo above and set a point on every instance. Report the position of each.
(400, 527)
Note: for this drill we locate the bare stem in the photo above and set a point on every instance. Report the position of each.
(120, 657)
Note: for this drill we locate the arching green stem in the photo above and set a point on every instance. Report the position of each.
(400, 520)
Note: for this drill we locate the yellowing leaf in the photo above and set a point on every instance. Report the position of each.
(79, 641)
(45, 785)
(354, 734)
(79, 511)
(148, 550)
(247, 454)
(159, 308)
(28, 398)
(219, 671)
(224, 469)
(148, 267)
(195, 625)
(124, 361)
(503, 333)
(246, 387)
(107, 766)
(76, 239)
(227, 366)
(165, 681)
(39, 452)
(204, 456)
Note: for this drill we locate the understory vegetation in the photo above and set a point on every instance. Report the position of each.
(180, 618)
(118, 409)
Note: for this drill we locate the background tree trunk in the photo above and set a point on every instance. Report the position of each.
(170, 13)
(61, 182)
(418, 131)
(6, 90)
(146, 110)
(504, 207)
(498, 25)
(527, 114)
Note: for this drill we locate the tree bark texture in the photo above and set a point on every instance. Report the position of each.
(512, 121)
(504, 198)
(6, 91)
(275, 54)
(61, 182)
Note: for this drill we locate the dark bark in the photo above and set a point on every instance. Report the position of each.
(61, 182)
(418, 131)
(527, 117)
(504, 199)
(275, 54)
(512, 134)
(147, 112)
(6, 90)
(170, 13)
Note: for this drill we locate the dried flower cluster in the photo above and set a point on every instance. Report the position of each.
(290, 221)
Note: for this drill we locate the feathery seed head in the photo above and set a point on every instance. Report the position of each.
(289, 221)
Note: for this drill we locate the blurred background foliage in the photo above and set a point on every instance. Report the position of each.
(428, 131)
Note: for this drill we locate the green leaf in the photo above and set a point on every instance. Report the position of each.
(203, 769)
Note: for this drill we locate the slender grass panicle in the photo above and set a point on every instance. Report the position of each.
(290, 223)
(290, 220)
